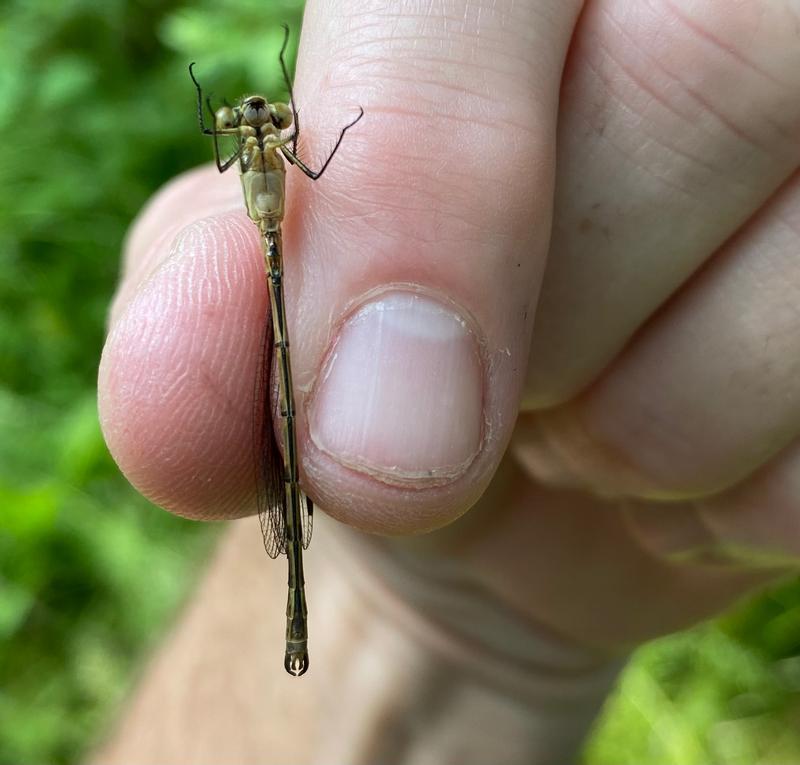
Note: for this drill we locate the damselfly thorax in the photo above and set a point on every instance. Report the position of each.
(263, 183)
(263, 175)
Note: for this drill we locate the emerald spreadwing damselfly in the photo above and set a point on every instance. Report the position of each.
(261, 139)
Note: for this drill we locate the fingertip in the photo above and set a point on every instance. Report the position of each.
(190, 196)
(175, 387)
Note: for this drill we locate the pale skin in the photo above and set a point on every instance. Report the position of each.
(649, 420)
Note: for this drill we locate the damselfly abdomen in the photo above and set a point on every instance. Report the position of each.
(261, 140)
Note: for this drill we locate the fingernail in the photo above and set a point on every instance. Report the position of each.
(401, 395)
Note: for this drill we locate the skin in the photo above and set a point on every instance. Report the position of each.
(637, 465)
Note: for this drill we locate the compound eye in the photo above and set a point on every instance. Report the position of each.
(281, 116)
(224, 118)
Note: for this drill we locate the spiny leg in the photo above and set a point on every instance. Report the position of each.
(290, 89)
(314, 175)
(200, 119)
(221, 166)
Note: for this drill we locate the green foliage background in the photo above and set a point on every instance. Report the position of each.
(96, 112)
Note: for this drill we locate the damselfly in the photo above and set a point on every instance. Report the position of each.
(261, 140)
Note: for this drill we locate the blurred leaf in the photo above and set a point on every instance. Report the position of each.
(81, 444)
(28, 512)
(15, 603)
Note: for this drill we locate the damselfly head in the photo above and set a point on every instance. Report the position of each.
(255, 111)
(226, 117)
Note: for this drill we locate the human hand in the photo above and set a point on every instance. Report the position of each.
(649, 480)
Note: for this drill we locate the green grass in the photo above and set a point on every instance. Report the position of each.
(97, 111)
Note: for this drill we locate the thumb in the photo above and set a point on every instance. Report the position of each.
(421, 249)
(412, 268)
